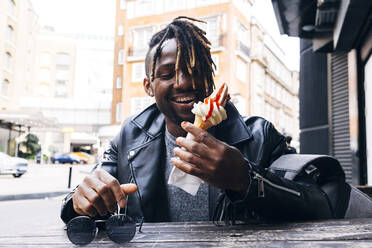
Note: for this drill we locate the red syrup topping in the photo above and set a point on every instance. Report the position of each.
(211, 100)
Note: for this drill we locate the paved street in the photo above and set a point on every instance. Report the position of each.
(43, 178)
(21, 216)
(24, 216)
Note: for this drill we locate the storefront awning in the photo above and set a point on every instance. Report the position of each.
(15, 120)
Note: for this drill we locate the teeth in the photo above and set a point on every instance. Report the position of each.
(184, 99)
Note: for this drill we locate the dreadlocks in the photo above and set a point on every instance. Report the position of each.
(192, 47)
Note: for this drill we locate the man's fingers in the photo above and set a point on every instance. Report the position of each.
(112, 183)
(94, 198)
(186, 167)
(199, 134)
(188, 157)
(82, 206)
(104, 192)
(128, 188)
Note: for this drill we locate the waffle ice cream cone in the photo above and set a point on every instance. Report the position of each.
(204, 125)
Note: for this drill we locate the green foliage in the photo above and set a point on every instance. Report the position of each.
(31, 146)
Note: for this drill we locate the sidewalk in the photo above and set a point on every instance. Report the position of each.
(42, 181)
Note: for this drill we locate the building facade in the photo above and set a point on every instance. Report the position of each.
(246, 57)
(335, 79)
(72, 83)
(55, 85)
(18, 30)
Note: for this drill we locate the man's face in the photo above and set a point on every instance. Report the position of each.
(174, 100)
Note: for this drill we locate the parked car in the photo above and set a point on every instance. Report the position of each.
(64, 158)
(83, 157)
(12, 165)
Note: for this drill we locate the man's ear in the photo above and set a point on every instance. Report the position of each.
(148, 87)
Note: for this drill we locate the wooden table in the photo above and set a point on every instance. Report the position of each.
(331, 233)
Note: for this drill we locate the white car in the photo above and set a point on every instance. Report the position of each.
(12, 165)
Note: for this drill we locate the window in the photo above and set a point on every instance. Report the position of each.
(212, 30)
(258, 75)
(215, 58)
(139, 103)
(45, 75)
(61, 88)
(141, 38)
(45, 59)
(242, 33)
(173, 5)
(62, 74)
(119, 107)
(12, 7)
(8, 61)
(241, 70)
(205, 2)
(258, 106)
(138, 72)
(63, 60)
(4, 87)
(239, 103)
(10, 33)
(122, 4)
(121, 57)
(139, 8)
(118, 83)
(120, 29)
(270, 113)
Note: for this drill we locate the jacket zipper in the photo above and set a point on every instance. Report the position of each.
(261, 189)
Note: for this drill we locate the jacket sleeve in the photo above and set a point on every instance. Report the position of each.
(108, 163)
(272, 197)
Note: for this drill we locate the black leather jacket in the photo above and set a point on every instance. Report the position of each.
(137, 153)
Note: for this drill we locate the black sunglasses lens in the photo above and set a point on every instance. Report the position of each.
(81, 230)
(120, 228)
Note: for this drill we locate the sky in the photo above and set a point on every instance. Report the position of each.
(98, 17)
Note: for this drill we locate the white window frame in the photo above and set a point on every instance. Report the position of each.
(122, 4)
(141, 39)
(4, 87)
(118, 113)
(121, 57)
(138, 104)
(138, 72)
(241, 70)
(118, 83)
(12, 8)
(120, 29)
(10, 31)
(8, 61)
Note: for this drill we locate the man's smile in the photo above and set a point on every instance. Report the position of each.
(183, 101)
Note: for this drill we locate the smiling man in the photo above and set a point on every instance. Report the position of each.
(232, 158)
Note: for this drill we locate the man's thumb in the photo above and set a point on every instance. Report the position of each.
(128, 188)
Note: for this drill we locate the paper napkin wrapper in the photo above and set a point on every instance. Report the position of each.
(184, 181)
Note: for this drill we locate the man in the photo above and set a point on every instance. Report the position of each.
(232, 157)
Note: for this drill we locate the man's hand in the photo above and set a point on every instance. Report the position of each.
(100, 193)
(213, 161)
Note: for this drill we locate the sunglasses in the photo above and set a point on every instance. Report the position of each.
(120, 228)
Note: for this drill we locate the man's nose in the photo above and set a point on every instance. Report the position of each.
(184, 80)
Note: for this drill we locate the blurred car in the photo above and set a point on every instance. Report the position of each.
(64, 158)
(12, 165)
(83, 157)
